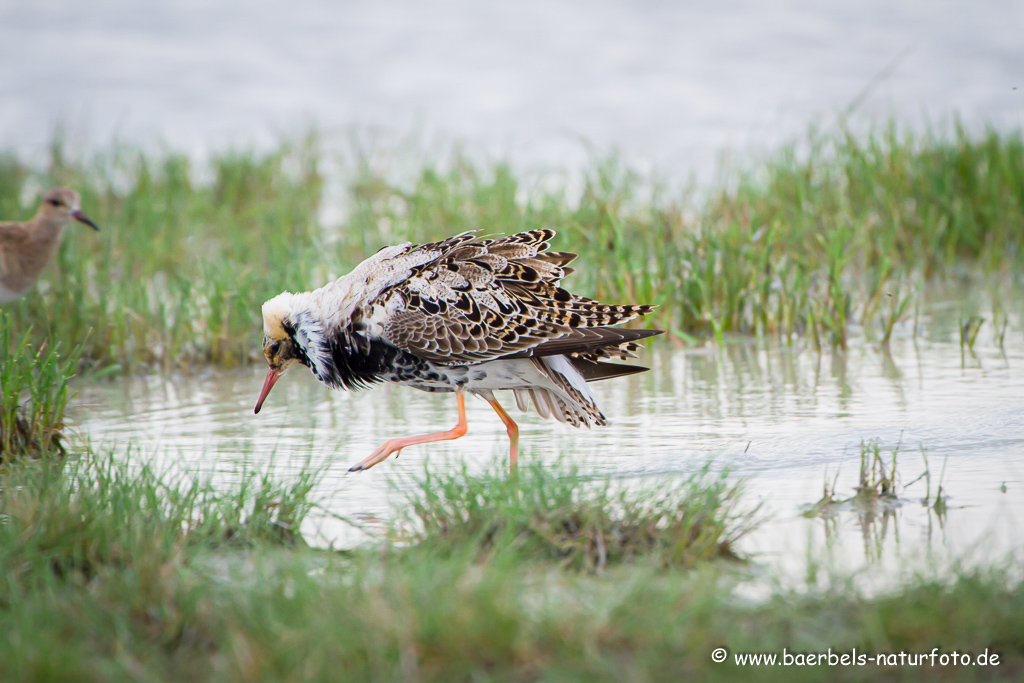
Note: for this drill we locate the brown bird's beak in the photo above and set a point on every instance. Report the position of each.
(272, 378)
(82, 218)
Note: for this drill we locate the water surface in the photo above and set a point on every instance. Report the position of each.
(781, 418)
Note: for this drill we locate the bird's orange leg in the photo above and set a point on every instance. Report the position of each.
(513, 435)
(395, 446)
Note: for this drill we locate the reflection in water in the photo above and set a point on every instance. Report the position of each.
(780, 417)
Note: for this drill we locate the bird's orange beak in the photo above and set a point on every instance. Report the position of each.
(268, 384)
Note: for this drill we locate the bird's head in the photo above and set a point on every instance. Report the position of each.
(60, 205)
(283, 352)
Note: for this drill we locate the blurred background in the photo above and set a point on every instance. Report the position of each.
(671, 86)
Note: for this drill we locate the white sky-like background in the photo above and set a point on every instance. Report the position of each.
(671, 85)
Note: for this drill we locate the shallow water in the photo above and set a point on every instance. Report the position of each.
(671, 84)
(781, 418)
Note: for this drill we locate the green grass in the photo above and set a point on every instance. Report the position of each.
(802, 244)
(97, 513)
(848, 230)
(881, 484)
(33, 394)
(576, 521)
(110, 573)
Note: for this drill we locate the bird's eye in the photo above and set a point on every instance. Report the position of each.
(273, 348)
(55, 202)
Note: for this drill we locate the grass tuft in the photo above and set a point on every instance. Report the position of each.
(578, 521)
(33, 394)
(98, 514)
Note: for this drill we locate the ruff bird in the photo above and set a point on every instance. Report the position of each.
(460, 315)
(26, 248)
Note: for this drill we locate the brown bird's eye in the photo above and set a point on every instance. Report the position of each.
(274, 348)
(55, 202)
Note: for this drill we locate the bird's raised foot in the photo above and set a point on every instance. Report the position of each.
(389, 448)
(395, 446)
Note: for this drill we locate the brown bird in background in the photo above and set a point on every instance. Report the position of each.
(26, 248)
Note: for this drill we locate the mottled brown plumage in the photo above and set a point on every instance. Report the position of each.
(485, 299)
(463, 315)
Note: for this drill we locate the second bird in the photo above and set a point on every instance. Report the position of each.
(26, 247)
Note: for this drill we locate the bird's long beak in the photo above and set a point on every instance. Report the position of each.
(82, 218)
(268, 384)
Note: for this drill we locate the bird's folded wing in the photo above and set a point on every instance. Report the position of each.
(482, 299)
(13, 235)
(597, 342)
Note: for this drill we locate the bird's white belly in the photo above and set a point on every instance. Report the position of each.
(492, 376)
(505, 374)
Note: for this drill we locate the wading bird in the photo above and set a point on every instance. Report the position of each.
(26, 248)
(460, 315)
